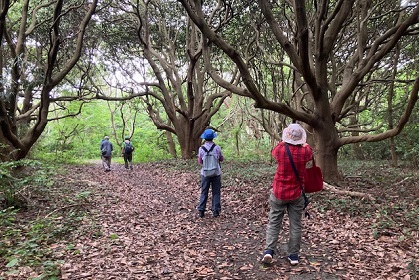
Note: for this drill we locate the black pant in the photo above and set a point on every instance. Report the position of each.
(128, 159)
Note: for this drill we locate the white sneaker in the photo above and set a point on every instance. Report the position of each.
(267, 259)
(293, 259)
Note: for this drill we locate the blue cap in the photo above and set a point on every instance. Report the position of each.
(208, 134)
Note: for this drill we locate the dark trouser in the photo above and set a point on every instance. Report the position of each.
(128, 160)
(295, 211)
(215, 183)
(106, 162)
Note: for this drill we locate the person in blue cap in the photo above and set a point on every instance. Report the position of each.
(210, 156)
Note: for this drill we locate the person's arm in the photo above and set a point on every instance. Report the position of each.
(200, 156)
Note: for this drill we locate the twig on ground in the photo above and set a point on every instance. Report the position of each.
(62, 208)
(81, 276)
(407, 178)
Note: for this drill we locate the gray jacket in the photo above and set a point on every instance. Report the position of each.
(106, 148)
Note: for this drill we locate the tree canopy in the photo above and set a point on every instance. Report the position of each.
(41, 43)
(341, 56)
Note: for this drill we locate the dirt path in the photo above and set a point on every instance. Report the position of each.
(150, 231)
(143, 226)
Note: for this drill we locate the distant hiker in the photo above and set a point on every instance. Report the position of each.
(106, 149)
(210, 156)
(286, 194)
(126, 151)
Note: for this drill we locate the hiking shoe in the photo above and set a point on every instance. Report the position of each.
(293, 259)
(201, 214)
(215, 214)
(267, 257)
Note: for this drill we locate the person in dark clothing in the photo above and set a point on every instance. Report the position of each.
(106, 149)
(126, 151)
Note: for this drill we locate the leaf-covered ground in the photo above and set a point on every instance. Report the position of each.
(142, 224)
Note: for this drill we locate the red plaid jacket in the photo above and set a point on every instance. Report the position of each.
(286, 185)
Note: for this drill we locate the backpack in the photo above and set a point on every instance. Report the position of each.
(105, 149)
(209, 162)
(128, 148)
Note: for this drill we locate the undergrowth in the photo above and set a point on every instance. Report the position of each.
(34, 215)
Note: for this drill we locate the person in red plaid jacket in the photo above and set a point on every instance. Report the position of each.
(286, 194)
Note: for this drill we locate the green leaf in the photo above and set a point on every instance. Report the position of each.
(113, 236)
(12, 263)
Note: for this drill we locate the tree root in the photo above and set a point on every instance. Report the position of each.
(334, 189)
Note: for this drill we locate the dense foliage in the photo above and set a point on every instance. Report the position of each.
(77, 139)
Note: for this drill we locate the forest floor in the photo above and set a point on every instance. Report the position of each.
(142, 224)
